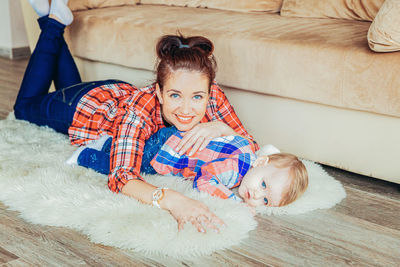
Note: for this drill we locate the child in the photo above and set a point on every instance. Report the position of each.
(230, 161)
(227, 162)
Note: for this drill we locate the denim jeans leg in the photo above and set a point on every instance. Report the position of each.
(34, 103)
(66, 73)
(56, 110)
(49, 110)
(42, 65)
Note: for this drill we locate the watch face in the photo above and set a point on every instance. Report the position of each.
(157, 194)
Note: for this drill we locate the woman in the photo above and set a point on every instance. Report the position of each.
(184, 95)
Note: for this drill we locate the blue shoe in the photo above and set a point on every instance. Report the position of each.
(94, 159)
(101, 144)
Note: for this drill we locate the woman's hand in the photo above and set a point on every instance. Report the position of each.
(199, 136)
(182, 208)
(185, 209)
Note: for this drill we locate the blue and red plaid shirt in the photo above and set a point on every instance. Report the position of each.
(216, 169)
(131, 115)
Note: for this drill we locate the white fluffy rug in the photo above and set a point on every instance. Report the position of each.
(35, 181)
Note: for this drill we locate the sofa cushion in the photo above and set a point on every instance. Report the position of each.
(321, 61)
(384, 33)
(236, 5)
(340, 9)
(76, 5)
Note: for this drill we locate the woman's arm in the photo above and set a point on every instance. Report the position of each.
(182, 208)
(126, 158)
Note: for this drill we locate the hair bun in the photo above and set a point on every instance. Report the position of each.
(169, 44)
(201, 43)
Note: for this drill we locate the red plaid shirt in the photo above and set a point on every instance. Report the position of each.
(131, 116)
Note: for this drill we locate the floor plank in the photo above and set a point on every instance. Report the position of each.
(365, 183)
(18, 263)
(322, 239)
(6, 256)
(370, 207)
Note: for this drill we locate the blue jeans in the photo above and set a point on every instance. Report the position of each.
(51, 61)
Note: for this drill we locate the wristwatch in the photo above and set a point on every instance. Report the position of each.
(158, 195)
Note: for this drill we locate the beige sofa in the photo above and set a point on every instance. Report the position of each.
(310, 86)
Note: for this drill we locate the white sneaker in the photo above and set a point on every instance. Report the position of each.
(60, 9)
(41, 7)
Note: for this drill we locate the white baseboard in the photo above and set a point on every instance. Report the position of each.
(15, 53)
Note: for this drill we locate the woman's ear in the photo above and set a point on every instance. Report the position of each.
(261, 161)
(159, 94)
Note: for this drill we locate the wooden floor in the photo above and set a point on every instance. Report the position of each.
(363, 230)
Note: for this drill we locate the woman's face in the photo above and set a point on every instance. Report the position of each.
(184, 98)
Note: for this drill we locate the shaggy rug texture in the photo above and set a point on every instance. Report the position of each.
(36, 182)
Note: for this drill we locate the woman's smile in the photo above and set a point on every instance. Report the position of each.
(184, 119)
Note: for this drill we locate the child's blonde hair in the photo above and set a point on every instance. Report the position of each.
(297, 174)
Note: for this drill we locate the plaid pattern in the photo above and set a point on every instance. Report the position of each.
(131, 115)
(215, 169)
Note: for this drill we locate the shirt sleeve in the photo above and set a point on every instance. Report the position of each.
(168, 162)
(226, 113)
(127, 149)
(218, 176)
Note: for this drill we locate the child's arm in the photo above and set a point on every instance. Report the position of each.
(218, 176)
(169, 162)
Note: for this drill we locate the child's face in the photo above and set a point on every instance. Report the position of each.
(264, 184)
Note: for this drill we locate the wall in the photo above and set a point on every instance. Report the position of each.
(5, 28)
(13, 38)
